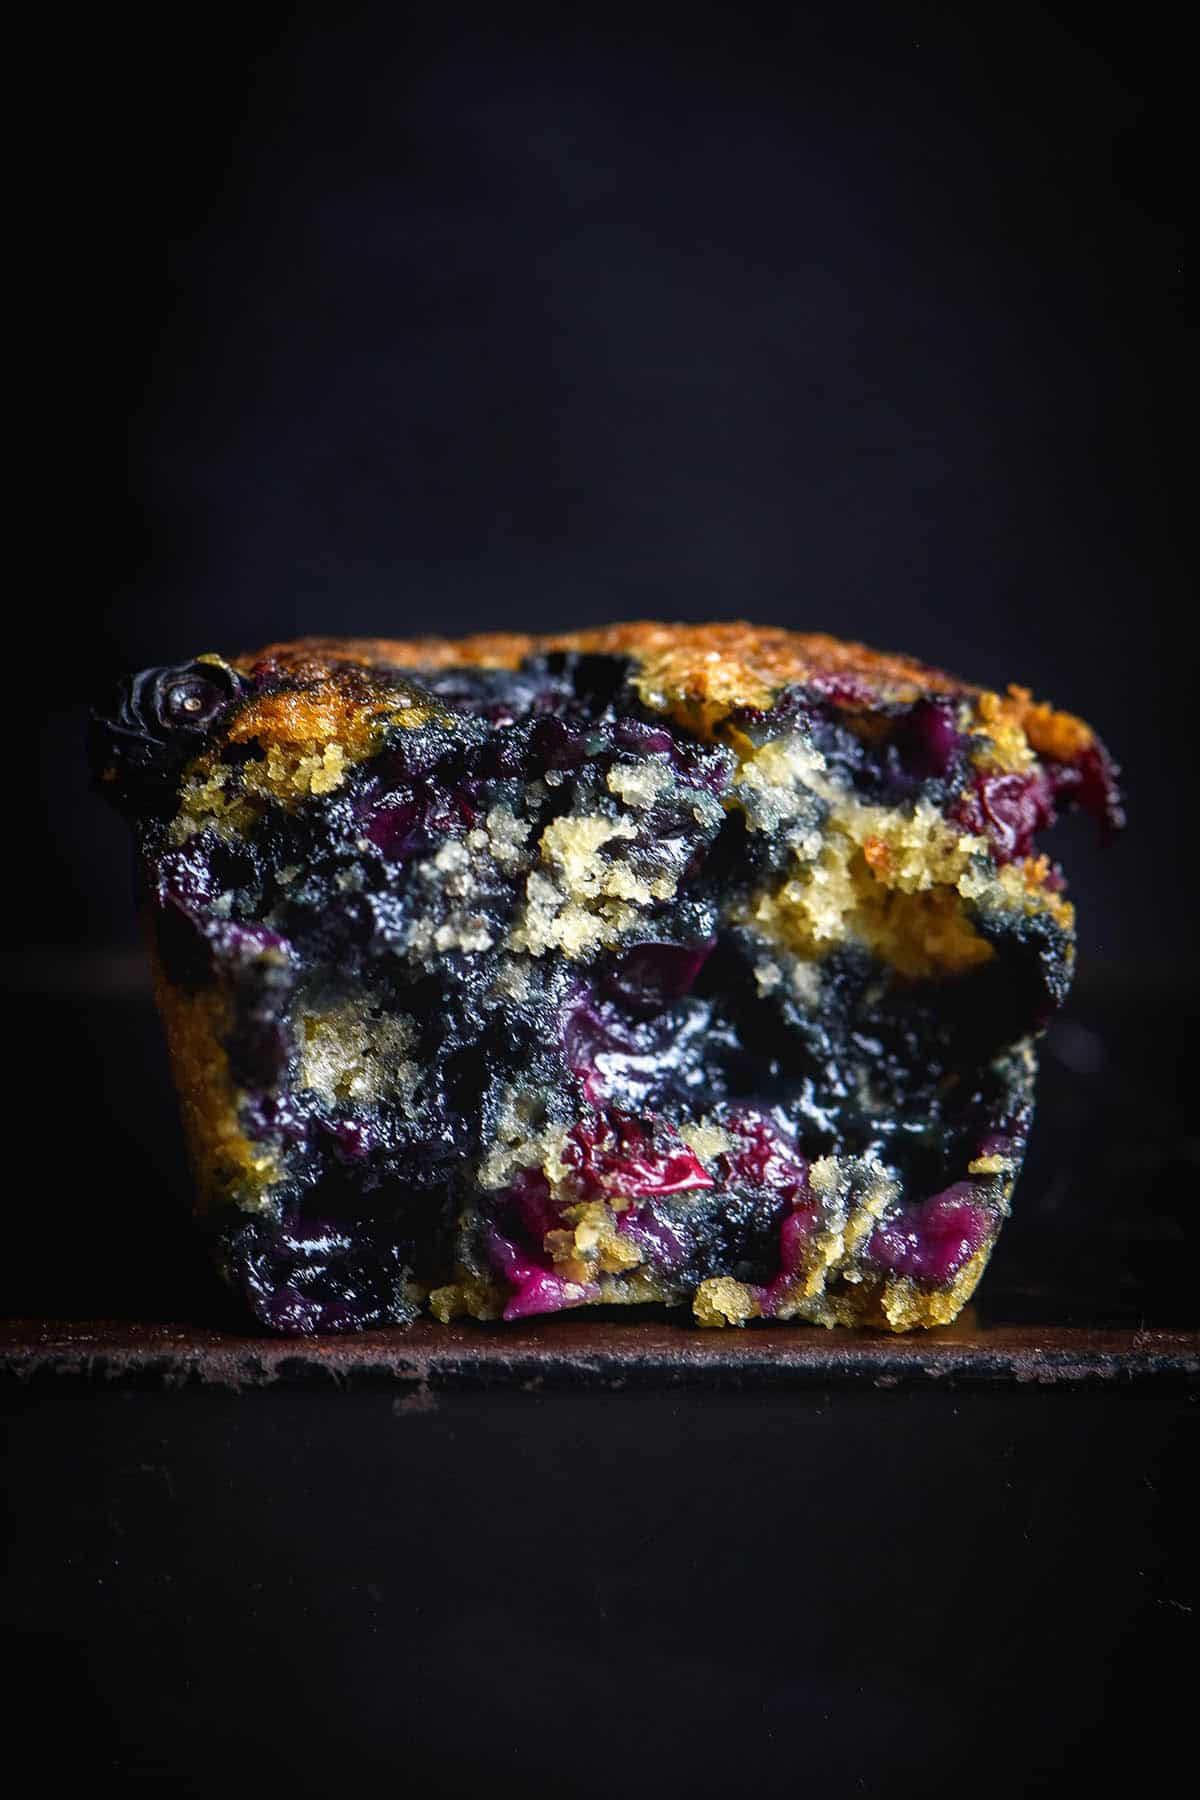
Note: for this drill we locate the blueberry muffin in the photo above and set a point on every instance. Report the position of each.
(699, 965)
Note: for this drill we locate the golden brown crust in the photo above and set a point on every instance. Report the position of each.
(739, 663)
(224, 1161)
(694, 673)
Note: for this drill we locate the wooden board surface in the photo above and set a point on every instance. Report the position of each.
(604, 1353)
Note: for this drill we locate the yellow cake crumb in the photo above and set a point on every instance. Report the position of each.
(904, 1306)
(473, 1298)
(349, 1052)
(582, 898)
(723, 1301)
(989, 1165)
(228, 1166)
(706, 1140)
(640, 784)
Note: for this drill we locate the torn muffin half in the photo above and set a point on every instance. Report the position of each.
(699, 965)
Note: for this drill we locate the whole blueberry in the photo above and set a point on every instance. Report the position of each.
(158, 719)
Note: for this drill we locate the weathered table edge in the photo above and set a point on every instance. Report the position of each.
(597, 1354)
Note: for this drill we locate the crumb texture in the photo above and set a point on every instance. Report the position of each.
(699, 966)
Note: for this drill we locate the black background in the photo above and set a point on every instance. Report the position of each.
(389, 320)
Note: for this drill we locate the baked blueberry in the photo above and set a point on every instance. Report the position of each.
(694, 965)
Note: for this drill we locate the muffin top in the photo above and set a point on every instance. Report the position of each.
(696, 674)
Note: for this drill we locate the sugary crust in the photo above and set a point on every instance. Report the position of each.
(738, 664)
(695, 673)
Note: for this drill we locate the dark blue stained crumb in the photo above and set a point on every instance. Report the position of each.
(672, 1026)
(308, 1275)
(889, 755)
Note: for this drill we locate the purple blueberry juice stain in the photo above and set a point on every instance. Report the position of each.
(929, 740)
(538, 1288)
(1091, 783)
(844, 688)
(660, 1243)
(762, 1156)
(413, 822)
(623, 1034)
(353, 1139)
(650, 977)
(617, 1154)
(643, 739)
(930, 1240)
(544, 1293)
(893, 757)
(534, 1205)
(1009, 810)
(273, 1118)
(592, 1029)
(795, 1234)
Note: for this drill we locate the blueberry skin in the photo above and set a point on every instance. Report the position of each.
(158, 719)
